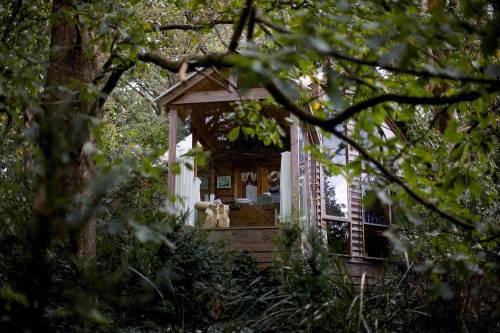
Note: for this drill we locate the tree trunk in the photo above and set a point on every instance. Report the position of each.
(62, 168)
(72, 66)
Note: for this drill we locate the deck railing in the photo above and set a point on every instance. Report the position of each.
(370, 217)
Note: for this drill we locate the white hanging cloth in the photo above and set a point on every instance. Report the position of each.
(251, 192)
(286, 186)
(248, 175)
(187, 188)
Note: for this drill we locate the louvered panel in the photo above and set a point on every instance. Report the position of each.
(317, 171)
(357, 253)
(357, 237)
(357, 226)
(356, 246)
(356, 208)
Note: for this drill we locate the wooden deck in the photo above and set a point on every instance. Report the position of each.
(258, 241)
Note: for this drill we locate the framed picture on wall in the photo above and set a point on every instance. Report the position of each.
(224, 182)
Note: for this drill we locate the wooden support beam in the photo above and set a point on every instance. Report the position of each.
(172, 148)
(259, 181)
(212, 180)
(215, 96)
(265, 181)
(237, 186)
(262, 182)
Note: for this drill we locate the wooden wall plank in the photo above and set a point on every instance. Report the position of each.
(259, 242)
(262, 181)
(238, 192)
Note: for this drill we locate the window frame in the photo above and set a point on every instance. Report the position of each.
(375, 226)
(328, 219)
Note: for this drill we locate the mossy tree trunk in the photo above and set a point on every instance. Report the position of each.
(72, 66)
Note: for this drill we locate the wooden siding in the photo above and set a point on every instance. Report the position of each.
(356, 262)
(355, 268)
(258, 241)
(356, 209)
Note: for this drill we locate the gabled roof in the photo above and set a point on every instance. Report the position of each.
(183, 86)
(175, 87)
(209, 86)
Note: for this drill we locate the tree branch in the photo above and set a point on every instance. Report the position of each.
(329, 127)
(224, 60)
(261, 19)
(251, 23)
(416, 72)
(192, 27)
(411, 100)
(238, 30)
(393, 178)
(213, 59)
(113, 79)
(390, 68)
(143, 95)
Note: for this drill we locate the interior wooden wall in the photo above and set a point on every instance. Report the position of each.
(232, 167)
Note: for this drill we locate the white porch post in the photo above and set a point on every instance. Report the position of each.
(172, 148)
(294, 150)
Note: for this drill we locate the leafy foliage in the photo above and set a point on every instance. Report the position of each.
(430, 69)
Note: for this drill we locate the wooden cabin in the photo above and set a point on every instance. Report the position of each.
(246, 188)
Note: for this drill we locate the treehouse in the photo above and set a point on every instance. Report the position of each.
(246, 189)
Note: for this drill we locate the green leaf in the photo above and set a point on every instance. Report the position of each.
(460, 184)
(319, 45)
(249, 131)
(334, 91)
(457, 152)
(176, 169)
(452, 134)
(234, 134)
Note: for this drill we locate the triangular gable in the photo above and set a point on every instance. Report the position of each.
(209, 86)
(183, 86)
